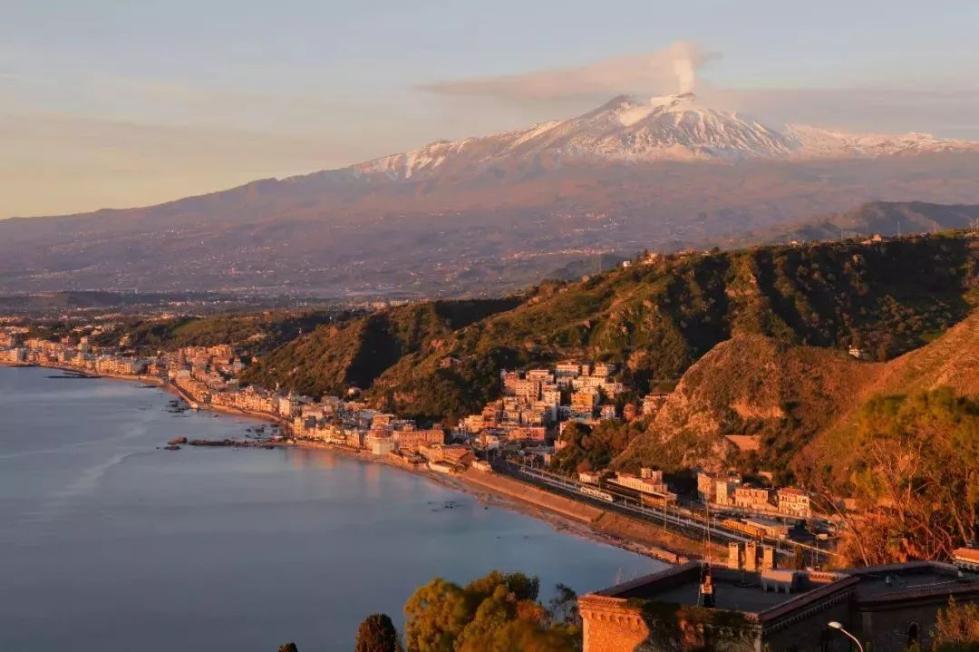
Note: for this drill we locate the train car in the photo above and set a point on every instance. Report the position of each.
(654, 500)
(597, 493)
(744, 528)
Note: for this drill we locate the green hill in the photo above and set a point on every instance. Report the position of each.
(249, 333)
(804, 403)
(751, 385)
(655, 318)
(336, 357)
(951, 360)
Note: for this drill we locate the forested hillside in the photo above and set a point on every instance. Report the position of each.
(655, 318)
(804, 403)
(751, 385)
(249, 333)
(337, 357)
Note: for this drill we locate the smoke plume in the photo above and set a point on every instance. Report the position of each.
(686, 74)
(670, 70)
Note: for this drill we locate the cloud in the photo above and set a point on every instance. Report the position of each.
(546, 94)
(669, 70)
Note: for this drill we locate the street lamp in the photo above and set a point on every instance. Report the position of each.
(835, 625)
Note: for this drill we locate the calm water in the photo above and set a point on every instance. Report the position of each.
(107, 543)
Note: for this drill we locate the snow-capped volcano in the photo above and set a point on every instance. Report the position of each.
(485, 215)
(674, 127)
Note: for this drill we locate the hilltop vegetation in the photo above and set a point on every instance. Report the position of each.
(914, 474)
(751, 385)
(950, 361)
(255, 334)
(655, 319)
(902, 437)
(495, 612)
(336, 357)
(803, 402)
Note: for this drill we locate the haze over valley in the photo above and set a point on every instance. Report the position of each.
(493, 214)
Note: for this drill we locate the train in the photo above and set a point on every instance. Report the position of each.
(748, 529)
(598, 493)
(654, 500)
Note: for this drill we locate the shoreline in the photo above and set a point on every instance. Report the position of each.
(559, 520)
(582, 520)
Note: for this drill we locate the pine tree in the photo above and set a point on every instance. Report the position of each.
(377, 634)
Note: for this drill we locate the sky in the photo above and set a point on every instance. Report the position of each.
(117, 103)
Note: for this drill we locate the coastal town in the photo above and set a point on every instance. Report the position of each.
(517, 434)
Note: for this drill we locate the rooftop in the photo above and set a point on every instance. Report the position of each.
(913, 580)
(743, 591)
(967, 554)
(733, 589)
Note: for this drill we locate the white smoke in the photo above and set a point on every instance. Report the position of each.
(686, 74)
(655, 73)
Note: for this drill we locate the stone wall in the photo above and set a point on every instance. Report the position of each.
(610, 625)
(887, 628)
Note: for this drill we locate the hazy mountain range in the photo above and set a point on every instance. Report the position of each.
(483, 215)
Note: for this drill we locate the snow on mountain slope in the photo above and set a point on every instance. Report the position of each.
(675, 127)
(814, 142)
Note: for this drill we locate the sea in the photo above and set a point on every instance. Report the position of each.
(110, 542)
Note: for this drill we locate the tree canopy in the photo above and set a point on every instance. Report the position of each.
(589, 449)
(377, 634)
(495, 613)
(918, 478)
(956, 628)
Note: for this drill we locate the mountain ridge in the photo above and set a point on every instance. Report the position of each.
(481, 216)
(674, 127)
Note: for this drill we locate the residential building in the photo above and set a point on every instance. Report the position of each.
(584, 401)
(706, 487)
(567, 369)
(724, 490)
(649, 481)
(794, 502)
(454, 454)
(527, 433)
(752, 498)
(410, 440)
(380, 442)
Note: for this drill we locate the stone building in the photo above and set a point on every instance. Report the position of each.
(887, 607)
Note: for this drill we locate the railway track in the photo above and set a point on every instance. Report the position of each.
(677, 519)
